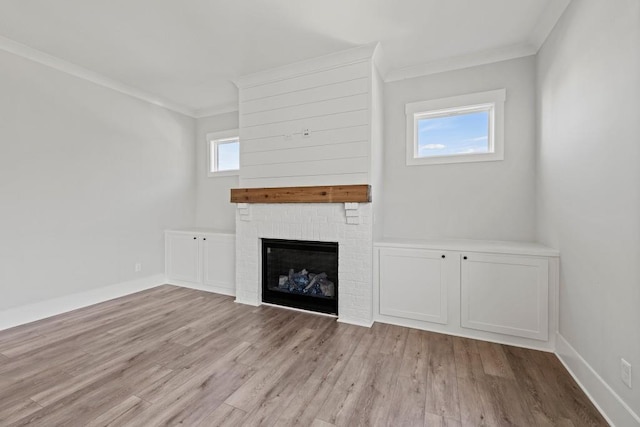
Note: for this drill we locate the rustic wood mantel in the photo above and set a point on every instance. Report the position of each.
(317, 194)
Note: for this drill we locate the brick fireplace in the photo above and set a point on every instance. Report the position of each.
(348, 224)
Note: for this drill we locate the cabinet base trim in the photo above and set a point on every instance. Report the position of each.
(41, 310)
(247, 302)
(472, 334)
(540, 335)
(357, 322)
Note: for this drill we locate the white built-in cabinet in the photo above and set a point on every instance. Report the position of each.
(507, 294)
(413, 284)
(496, 291)
(200, 258)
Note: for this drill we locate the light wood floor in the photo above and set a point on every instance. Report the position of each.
(172, 356)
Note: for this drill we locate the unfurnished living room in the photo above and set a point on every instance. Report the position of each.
(303, 213)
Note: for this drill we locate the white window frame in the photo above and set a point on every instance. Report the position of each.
(213, 139)
(481, 101)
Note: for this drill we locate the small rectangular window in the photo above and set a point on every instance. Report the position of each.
(465, 128)
(224, 154)
(451, 133)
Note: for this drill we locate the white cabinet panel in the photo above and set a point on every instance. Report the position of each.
(183, 261)
(201, 260)
(413, 284)
(219, 261)
(505, 294)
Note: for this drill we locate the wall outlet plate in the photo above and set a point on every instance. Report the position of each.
(625, 372)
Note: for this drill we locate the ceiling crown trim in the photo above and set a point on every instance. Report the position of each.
(43, 58)
(463, 61)
(547, 21)
(371, 51)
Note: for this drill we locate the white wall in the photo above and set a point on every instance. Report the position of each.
(485, 200)
(589, 182)
(213, 209)
(89, 178)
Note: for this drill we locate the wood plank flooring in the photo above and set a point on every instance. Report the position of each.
(176, 356)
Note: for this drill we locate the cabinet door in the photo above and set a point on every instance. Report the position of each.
(505, 294)
(413, 284)
(183, 258)
(219, 262)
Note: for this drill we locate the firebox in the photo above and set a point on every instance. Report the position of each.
(300, 274)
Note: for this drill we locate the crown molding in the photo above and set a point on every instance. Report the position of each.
(38, 56)
(309, 66)
(545, 24)
(462, 61)
(547, 21)
(215, 111)
(380, 61)
(372, 51)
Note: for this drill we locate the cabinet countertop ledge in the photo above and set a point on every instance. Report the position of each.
(199, 230)
(468, 245)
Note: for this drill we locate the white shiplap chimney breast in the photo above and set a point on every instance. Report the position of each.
(308, 123)
(312, 123)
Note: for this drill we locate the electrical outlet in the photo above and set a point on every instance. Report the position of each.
(625, 372)
(138, 267)
(306, 133)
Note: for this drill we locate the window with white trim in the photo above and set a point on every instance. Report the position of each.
(224, 153)
(465, 128)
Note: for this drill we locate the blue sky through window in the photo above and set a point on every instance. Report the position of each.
(228, 155)
(456, 134)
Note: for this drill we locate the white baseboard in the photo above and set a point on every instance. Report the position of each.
(529, 343)
(40, 310)
(357, 322)
(247, 302)
(610, 405)
(606, 400)
(224, 290)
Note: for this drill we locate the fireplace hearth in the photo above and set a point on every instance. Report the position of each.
(300, 274)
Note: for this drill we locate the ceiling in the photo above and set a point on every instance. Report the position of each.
(185, 54)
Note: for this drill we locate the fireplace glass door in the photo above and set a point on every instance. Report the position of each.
(300, 274)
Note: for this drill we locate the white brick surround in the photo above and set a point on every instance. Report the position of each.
(348, 224)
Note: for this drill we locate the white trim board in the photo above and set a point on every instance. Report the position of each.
(222, 290)
(40, 310)
(356, 322)
(605, 399)
(529, 344)
(547, 21)
(56, 63)
(216, 111)
(541, 31)
(463, 61)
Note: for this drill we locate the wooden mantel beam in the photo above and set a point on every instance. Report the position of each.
(317, 194)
